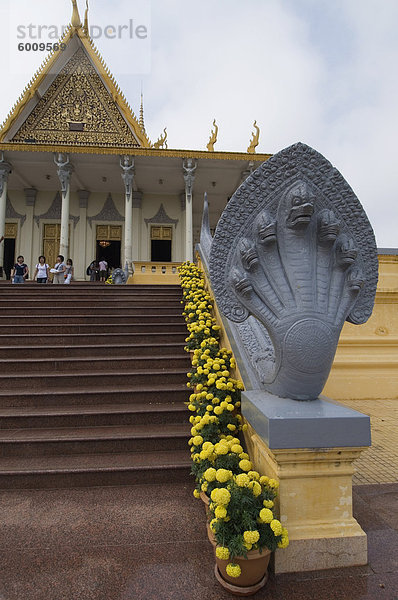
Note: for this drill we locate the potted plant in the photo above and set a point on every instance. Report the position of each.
(238, 501)
(245, 529)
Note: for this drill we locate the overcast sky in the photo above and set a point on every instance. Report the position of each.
(321, 72)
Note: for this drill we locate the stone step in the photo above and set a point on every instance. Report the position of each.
(93, 339)
(78, 287)
(86, 440)
(109, 415)
(85, 350)
(96, 319)
(150, 393)
(87, 379)
(95, 364)
(69, 292)
(86, 470)
(91, 303)
(12, 309)
(66, 327)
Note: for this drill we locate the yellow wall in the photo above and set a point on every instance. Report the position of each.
(366, 361)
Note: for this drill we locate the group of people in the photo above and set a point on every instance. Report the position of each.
(98, 271)
(62, 272)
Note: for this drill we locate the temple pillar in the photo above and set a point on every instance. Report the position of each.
(127, 165)
(5, 170)
(64, 171)
(137, 217)
(183, 207)
(82, 262)
(189, 166)
(26, 246)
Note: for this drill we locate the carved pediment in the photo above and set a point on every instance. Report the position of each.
(77, 109)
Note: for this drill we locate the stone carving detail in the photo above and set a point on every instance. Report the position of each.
(189, 166)
(77, 109)
(109, 212)
(303, 260)
(54, 212)
(5, 170)
(119, 277)
(161, 217)
(64, 170)
(127, 165)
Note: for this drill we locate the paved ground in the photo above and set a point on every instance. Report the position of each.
(149, 542)
(379, 464)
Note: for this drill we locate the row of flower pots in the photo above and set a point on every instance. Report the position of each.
(241, 525)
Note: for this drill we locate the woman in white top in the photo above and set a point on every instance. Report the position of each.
(41, 271)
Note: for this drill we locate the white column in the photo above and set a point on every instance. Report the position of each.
(5, 170)
(189, 167)
(82, 260)
(64, 172)
(183, 201)
(137, 206)
(127, 165)
(26, 247)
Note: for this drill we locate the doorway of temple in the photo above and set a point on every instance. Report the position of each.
(51, 240)
(110, 251)
(109, 245)
(161, 241)
(9, 248)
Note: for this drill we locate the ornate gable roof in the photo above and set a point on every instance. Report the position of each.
(82, 105)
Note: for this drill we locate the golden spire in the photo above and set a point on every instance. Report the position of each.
(85, 26)
(254, 141)
(142, 122)
(213, 137)
(76, 22)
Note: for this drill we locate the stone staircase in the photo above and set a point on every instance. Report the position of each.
(92, 386)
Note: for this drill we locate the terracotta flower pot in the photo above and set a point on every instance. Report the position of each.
(254, 573)
(206, 501)
(211, 536)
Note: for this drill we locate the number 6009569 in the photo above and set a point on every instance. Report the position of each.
(40, 47)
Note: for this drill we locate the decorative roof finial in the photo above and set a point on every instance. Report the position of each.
(85, 26)
(162, 141)
(213, 137)
(254, 141)
(142, 122)
(76, 22)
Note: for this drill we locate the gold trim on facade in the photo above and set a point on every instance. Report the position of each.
(177, 153)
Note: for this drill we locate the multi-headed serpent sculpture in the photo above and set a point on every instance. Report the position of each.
(295, 249)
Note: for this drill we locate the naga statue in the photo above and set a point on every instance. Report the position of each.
(295, 255)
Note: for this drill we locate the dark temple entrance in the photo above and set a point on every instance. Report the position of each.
(111, 253)
(161, 239)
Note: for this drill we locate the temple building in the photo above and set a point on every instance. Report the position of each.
(79, 175)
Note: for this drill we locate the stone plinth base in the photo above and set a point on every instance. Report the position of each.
(315, 490)
(322, 553)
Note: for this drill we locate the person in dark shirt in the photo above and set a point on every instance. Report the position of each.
(20, 271)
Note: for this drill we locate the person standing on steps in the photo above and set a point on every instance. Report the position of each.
(20, 271)
(69, 271)
(59, 270)
(103, 267)
(41, 270)
(93, 270)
